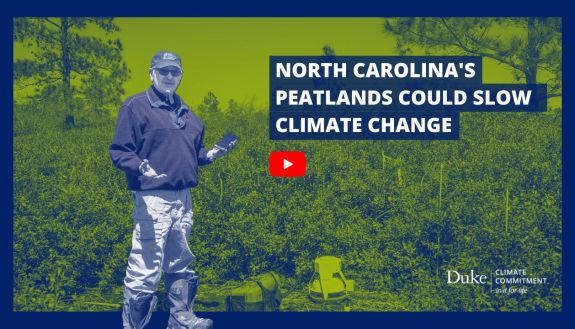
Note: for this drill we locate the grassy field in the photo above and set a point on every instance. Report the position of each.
(399, 214)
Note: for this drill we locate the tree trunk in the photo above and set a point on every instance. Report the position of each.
(532, 51)
(65, 71)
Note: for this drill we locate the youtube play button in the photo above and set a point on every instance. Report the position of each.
(287, 164)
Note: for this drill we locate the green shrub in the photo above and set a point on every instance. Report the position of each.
(375, 204)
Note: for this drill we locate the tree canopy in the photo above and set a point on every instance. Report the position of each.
(529, 47)
(73, 58)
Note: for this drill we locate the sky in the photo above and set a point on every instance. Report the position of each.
(230, 56)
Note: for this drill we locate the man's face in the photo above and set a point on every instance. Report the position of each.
(166, 79)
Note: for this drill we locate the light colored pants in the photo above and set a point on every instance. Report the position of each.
(162, 224)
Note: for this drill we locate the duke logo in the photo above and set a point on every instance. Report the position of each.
(471, 278)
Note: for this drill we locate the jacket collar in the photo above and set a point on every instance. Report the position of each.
(156, 99)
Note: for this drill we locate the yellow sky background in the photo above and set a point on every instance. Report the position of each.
(230, 56)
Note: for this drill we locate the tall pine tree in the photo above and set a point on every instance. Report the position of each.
(69, 63)
(529, 47)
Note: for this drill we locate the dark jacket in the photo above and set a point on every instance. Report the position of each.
(146, 129)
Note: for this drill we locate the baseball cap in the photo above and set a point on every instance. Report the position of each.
(166, 58)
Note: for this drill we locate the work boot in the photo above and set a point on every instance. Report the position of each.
(182, 289)
(137, 308)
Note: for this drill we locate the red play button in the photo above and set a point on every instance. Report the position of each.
(287, 164)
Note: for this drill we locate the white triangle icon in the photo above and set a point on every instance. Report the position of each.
(287, 164)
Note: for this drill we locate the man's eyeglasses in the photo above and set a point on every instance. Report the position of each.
(164, 72)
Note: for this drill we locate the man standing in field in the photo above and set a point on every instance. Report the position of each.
(158, 143)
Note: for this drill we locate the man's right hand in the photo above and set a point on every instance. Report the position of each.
(148, 171)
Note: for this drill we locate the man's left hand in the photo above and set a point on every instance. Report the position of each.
(223, 146)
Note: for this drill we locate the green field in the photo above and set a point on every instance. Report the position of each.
(399, 213)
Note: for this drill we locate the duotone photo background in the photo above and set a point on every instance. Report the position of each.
(399, 214)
